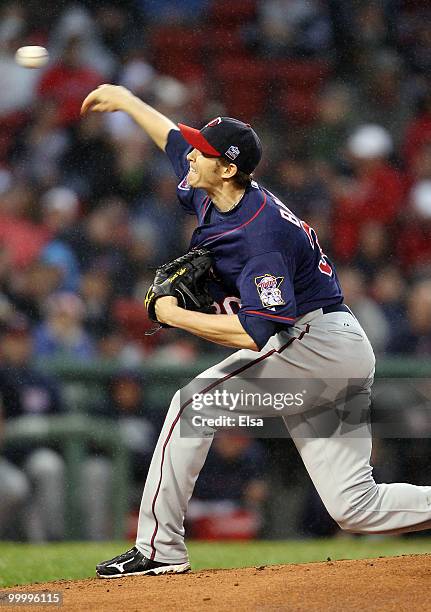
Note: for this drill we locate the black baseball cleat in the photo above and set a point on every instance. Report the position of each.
(133, 563)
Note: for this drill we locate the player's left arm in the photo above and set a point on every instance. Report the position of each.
(221, 329)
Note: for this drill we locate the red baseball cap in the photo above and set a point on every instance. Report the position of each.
(229, 138)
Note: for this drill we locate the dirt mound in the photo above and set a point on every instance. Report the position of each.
(391, 583)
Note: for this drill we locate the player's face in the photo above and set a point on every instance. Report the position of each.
(205, 172)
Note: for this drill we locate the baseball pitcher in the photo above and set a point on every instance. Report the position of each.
(279, 303)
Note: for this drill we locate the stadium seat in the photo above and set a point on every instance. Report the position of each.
(242, 87)
(221, 42)
(298, 106)
(177, 51)
(301, 74)
(9, 126)
(228, 14)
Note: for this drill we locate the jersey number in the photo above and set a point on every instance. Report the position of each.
(288, 215)
(230, 305)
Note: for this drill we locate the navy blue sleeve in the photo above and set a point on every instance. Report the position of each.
(260, 330)
(267, 295)
(177, 150)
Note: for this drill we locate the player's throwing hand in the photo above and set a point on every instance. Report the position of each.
(107, 98)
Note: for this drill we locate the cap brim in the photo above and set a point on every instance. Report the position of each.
(194, 137)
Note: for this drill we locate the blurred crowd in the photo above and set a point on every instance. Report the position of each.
(340, 92)
(341, 98)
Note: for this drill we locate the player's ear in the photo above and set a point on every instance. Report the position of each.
(229, 170)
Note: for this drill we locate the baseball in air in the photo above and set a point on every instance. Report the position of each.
(32, 57)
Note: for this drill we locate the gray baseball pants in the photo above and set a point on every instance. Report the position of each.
(322, 352)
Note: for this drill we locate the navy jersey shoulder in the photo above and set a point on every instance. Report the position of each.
(266, 258)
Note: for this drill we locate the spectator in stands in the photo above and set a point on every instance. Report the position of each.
(132, 167)
(138, 76)
(88, 164)
(159, 212)
(77, 24)
(28, 289)
(374, 193)
(96, 293)
(102, 239)
(38, 147)
(20, 235)
(293, 28)
(373, 250)
(118, 347)
(421, 168)
(173, 12)
(60, 212)
(388, 290)
(295, 183)
(413, 335)
(60, 208)
(121, 27)
(367, 311)
(68, 81)
(18, 84)
(385, 95)
(62, 334)
(334, 118)
(371, 26)
(419, 51)
(418, 132)
(27, 393)
(230, 491)
(414, 242)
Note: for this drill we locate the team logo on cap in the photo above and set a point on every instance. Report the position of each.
(268, 287)
(213, 122)
(232, 152)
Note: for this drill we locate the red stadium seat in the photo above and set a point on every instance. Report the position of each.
(242, 87)
(301, 74)
(229, 14)
(175, 48)
(9, 126)
(298, 106)
(132, 317)
(226, 43)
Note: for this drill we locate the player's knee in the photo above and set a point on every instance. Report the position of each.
(349, 524)
(347, 519)
(350, 510)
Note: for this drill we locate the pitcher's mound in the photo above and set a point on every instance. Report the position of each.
(391, 583)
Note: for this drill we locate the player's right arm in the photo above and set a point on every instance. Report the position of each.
(110, 98)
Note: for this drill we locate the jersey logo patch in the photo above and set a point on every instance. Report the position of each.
(184, 185)
(269, 291)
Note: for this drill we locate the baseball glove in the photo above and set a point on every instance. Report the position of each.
(186, 278)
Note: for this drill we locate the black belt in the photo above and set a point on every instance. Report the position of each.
(336, 308)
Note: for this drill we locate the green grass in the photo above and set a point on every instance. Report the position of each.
(27, 563)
